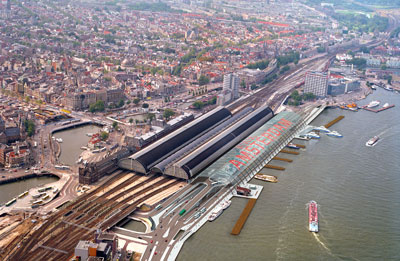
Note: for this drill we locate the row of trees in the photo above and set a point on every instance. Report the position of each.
(258, 65)
(29, 127)
(295, 98)
(198, 105)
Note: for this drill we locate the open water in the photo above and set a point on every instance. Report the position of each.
(73, 140)
(357, 189)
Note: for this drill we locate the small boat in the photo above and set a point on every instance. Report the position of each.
(268, 178)
(59, 140)
(312, 135)
(322, 129)
(226, 204)
(334, 134)
(215, 214)
(89, 134)
(373, 104)
(371, 142)
(292, 146)
(385, 105)
(313, 216)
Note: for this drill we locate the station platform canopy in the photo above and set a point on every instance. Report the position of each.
(251, 152)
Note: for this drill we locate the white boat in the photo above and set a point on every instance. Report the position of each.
(226, 204)
(373, 104)
(334, 134)
(372, 142)
(292, 146)
(59, 140)
(215, 214)
(322, 129)
(312, 135)
(89, 134)
(385, 105)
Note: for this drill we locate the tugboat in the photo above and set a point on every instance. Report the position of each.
(372, 141)
(313, 216)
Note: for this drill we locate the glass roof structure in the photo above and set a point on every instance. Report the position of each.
(252, 153)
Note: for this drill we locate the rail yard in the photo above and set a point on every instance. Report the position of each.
(124, 192)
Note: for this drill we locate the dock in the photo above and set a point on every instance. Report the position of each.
(290, 152)
(378, 110)
(329, 124)
(243, 217)
(274, 167)
(300, 146)
(282, 159)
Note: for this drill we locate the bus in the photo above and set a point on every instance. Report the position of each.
(9, 203)
(23, 194)
(44, 189)
(182, 212)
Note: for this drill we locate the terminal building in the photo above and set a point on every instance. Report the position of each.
(187, 151)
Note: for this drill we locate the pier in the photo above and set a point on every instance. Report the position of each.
(329, 124)
(378, 110)
(274, 167)
(300, 146)
(290, 152)
(282, 159)
(243, 217)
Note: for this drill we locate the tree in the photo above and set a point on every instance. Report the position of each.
(198, 105)
(243, 84)
(145, 105)
(130, 120)
(103, 135)
(120, 103)
(168, 113)
(128, 102)
(150, 116)
(97, 106)
(203, 80)
(29, 127)
(136, 101)
(115, 124)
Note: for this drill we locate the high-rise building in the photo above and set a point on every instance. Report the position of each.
(231, 83)
(316, 83)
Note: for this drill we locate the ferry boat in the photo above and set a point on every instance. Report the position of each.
(312, 216)
(373, 104)
(226, 204)
(215, 214)
(322, 129)
(268, 178)
(334, 134)
(385, 105)
(372, 141)
(312, 135)
(292, 146)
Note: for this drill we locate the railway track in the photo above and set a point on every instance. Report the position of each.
(78, 220)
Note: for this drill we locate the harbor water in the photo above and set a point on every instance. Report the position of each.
(9, 191)
(357, 189)
(73, 140)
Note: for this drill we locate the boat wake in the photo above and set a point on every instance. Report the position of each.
(316, 236)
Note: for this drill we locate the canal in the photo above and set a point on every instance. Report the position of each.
(73, 140)
(12, 190)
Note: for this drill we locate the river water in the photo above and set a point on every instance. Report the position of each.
(11, 190)
(73, 140)
(357, 189)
